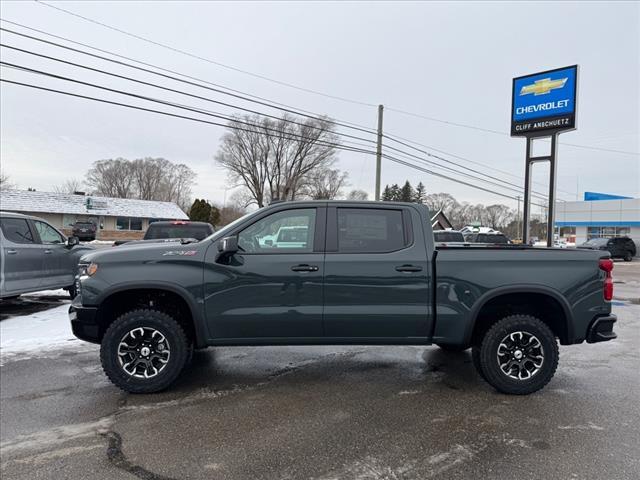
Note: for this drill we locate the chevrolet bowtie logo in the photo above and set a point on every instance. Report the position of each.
(543, 86)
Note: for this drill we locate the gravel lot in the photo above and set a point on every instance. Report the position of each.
(320, 412)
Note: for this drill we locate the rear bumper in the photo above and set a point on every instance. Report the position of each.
(601, 329)
(84, 321)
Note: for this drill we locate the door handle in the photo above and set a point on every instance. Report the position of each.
(12, 252)
(47, 252)
(408, 268)
(304, 268)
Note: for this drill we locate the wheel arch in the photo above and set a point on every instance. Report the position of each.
(533, 299)
(193, 323)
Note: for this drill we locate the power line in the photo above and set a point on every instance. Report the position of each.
(229, 91)
(225, 104)
(397, 138)
(184, 117)
(208, 60)
(217, 115)
(315, 92)
(155, 100)
(517, 187)
(155, 85)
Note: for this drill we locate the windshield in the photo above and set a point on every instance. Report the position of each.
(445, 236)
(597, 241)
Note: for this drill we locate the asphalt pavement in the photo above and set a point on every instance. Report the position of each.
(365, 413)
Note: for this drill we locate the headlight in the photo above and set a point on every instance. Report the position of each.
(87, 269)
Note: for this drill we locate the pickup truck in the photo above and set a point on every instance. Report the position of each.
(172, 231)
(368, 274)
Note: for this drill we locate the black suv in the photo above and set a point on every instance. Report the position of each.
(85, 230)
(618, 247)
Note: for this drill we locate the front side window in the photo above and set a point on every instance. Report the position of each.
(369, 230)
(48, 234)
(281, 232)
(16, 230)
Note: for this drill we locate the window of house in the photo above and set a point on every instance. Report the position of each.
(128, 223)
(368, 230)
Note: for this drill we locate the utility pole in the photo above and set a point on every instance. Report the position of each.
(379, 152)
(518, 217)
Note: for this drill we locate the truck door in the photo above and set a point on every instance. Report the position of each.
(267, 289)
(22, 259)
(58, 269)
(377, 274)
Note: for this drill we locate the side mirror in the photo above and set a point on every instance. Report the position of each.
(72, 241)
(227, 247)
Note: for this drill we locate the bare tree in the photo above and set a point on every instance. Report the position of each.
(358, 195)
(439, 201)
(5, 183)
(146, 179)
(112, 178)
(71, 185)
(323, 184)
(271, 158)
(498, 215)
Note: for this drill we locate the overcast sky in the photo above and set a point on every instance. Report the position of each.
(451, 61)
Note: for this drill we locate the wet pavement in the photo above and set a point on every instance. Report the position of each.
(329, 413)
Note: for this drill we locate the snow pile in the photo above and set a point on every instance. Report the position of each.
(38, 334)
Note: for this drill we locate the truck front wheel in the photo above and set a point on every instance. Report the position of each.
(144, 351)
(518, 355)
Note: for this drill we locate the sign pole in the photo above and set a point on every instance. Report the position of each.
(526, 206)
(552, 191)
(543, 104)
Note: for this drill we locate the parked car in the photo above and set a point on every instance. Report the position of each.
(172, 231)
(369, 274)
(35, 256)
(494, 238)
(618, 247)
(448, 236)
(84, 230)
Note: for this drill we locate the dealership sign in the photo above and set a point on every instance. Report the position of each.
(544, 103)
(93, 204)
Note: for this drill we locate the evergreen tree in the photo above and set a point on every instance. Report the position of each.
(407, 193)
(386, 194)
(421, 193)
(200, 211)
(394, 193)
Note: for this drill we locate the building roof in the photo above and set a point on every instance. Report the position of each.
(48, 202)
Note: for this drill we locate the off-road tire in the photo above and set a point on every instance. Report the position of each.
(451, 348)
(488, 358)
(180, 350)
(628, 256)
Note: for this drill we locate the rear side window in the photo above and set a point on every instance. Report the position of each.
(446, 236)
(16, 230)
(369, 230)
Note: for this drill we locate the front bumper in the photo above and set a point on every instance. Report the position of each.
(601, 329)
(84, 321)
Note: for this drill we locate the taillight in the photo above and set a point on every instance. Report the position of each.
(606, 265)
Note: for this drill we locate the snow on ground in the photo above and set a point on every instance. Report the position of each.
(38, 334)
(48, 293)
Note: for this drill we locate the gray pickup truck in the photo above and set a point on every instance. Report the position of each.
(35, 256)
(362, 273)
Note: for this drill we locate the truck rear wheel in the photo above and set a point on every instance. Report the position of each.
(144, 351)
(518, 355)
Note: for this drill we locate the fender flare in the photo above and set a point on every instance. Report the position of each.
(197, 314)
(519, 288)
